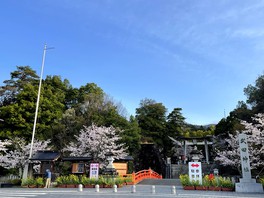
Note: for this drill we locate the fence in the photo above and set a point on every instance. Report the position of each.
(5, 179)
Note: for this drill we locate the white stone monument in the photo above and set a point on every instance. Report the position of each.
(246, 184)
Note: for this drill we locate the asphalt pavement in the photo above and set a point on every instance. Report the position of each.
(144, 191)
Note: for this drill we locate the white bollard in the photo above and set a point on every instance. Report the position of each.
(96, 188)
(173, 190)
(153, 189)
(80, 188)
(133, 188)
(114, 188)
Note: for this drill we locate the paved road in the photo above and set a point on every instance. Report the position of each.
(143, 191)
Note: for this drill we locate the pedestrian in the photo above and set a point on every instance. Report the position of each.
(48, 178)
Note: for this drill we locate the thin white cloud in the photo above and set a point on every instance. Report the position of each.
(249, 33)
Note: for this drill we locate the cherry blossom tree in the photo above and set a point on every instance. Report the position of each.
(3, 149)
(96, 142)
(3, 146)
(230, 156)
(255, 133)
(18, 156)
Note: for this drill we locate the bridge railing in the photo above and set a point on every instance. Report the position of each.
(134, 178)
(145, 174)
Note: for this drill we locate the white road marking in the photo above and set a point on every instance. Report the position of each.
(19, 194)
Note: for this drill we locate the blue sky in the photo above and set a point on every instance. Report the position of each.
(196, 55)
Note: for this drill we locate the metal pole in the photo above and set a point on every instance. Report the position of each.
(37, 104)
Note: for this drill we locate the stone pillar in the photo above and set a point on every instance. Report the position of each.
(206, 151)
(246, 184)
(244, 156)
(185, 151)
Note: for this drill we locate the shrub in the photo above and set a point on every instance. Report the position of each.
(28, 182)
(262, 181)
(127, 179)
(15, 181)
(87, 181)
(73, 179)
(61, 180)
(39, 181)
(211, 180)
(217, 182)
(195, 183)
(206, 181)
(185, 180)
(226, 183)
(70, 179)
(119, 181)
(110, 182)
(100, 181)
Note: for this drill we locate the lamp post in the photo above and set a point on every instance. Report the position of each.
(195, 154)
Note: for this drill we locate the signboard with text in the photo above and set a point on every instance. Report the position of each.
(195, 171)
(78, 168)
(94, 170)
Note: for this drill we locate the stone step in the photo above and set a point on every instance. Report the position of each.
(165, 182)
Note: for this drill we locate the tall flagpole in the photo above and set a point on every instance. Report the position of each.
(37, 104)
(26, 168)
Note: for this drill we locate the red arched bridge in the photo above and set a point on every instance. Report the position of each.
(143, 174)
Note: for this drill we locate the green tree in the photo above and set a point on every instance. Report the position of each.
(66, 127)
(131, 136)
(175, 122)
(175, 127)
(85, 92)
(63, 110)
(90, 105)
(97, 107)
(19, 115)
(19, 78)
(151, 118)
(231, 123)
(255, 95)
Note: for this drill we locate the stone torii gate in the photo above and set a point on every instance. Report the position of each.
(184, 142)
